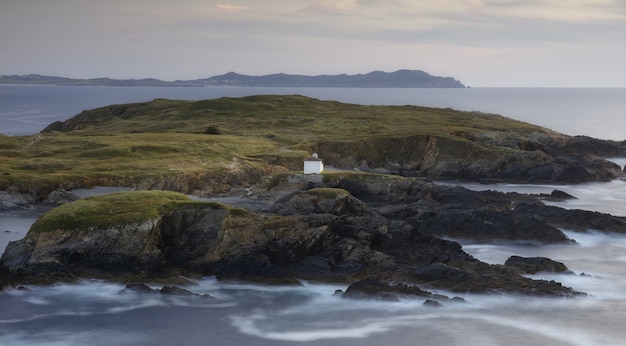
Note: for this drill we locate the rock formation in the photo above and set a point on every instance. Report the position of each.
(391, 235)
(385, 230)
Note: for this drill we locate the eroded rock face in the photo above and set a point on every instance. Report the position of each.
(482, 156)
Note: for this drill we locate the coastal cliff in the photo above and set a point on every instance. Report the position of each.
(244, 138)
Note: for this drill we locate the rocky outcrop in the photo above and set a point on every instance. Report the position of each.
(455, 212)
(325, 235)
(488, 156)
(13, 199)
(574, 219)
(533, 265)
(377, 289)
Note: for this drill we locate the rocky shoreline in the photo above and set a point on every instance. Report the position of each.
(379, 223)
(347, 227)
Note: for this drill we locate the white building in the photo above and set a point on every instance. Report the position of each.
(313, 165)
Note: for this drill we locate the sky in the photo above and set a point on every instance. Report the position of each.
(482, 43)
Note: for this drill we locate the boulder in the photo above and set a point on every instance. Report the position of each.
(533, 265)
(432, 303)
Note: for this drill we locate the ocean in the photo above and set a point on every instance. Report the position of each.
(95, 313)
(594, 112)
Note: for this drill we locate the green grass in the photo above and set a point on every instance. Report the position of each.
(165, 137)
(109, 210)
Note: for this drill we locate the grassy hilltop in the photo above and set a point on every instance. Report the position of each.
(127, 144)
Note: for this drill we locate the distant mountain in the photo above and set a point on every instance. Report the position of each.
(377, 79)
(36, 79)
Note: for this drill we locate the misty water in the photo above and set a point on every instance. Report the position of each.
(96, 313)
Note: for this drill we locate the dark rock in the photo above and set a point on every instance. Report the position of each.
(574, 219)
(561, 195)
(254, 269)
(175, 291)
(432, 303)
(555, 195)
(487, 225)
(392, 236)
(532, 265)
(138, 288)
(376, 289)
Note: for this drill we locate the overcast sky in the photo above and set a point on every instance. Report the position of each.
(571, 43)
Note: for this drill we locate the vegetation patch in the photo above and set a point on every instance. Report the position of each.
(119, 208)
(139, 141)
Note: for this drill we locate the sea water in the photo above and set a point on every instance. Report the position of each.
(595, 112)
(96, 313)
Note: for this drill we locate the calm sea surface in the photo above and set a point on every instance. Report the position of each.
(94, 313)
(595, 112)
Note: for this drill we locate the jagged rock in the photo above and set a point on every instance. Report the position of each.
(533, 265)
(138, 288)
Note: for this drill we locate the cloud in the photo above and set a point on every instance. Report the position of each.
(231, 7)
(336, 4)
(194, 37)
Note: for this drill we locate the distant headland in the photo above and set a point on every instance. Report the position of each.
(376, 79)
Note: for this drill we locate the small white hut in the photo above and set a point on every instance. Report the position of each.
(313, 165)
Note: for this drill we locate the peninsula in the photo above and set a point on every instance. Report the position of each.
(377, 79)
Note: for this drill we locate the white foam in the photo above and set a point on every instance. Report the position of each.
(248, 325)
(146, 303)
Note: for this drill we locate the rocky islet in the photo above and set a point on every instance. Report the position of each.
(383, 234)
